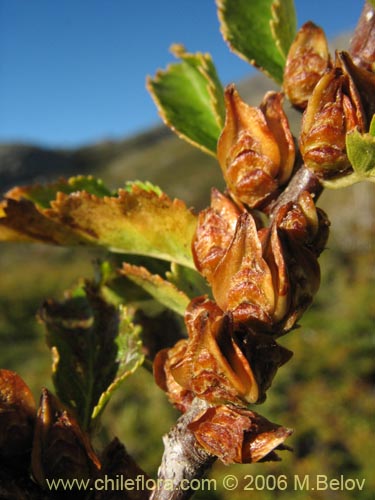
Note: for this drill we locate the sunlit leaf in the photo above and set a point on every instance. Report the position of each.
(283, 24)
(361, 153)
(89, 341)
(145, 186)
(258, 32)
(160, 289)
(136, 222)
(189, 97)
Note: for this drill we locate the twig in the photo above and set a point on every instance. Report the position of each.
(183, 459)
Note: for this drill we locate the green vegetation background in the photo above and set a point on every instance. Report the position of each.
(326, 392)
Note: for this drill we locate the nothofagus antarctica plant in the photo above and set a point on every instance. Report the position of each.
(240, 273)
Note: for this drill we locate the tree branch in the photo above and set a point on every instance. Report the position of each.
(183, 458)
(303, 180)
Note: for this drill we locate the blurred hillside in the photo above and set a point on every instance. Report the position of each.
(326, 392)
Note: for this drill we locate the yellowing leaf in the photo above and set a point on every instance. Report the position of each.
(42, 195)
(136, 222)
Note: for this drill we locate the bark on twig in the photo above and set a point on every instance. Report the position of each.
(303, 180)
(183, 459)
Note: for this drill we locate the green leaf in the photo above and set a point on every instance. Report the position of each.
(42, 195)
(259, 31)
(283, 24)
(190, 98)
(145, 186)
(129, 358)
(360, 149)
(361, 153)
(92, 348)
(135, 221)
(160, 289)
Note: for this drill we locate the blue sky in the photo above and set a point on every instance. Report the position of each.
(73, 72)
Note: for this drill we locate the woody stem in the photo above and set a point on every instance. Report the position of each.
(183, 459)
(303, 180)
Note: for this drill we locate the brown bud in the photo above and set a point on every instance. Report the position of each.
(60, 449)
(264, 355)
(362, 44)
(362, 87)
(17, 418)
(220, 362)
(242, 282)
(307, 60)
(214, 367)
(334, 109)
(267, 277)
(256, 148)
(303, 231)
(215, 229)
(180, 397)
(236, 435)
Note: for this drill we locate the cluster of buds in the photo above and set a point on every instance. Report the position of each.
(263, 272)
(337, 98)
(258, 245)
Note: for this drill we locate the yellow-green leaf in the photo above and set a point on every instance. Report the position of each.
(136, 221)
(160, 289)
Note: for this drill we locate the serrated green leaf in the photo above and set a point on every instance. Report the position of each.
(129, 358)
(190, 99)
(160, 289)
(135, 222)
(89, 353)
(42, 195)
(283, 24)
(360, 149)
(246, 26)
(145, 186)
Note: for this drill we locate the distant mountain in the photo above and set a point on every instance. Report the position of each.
(156, 155)
(178, 168)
